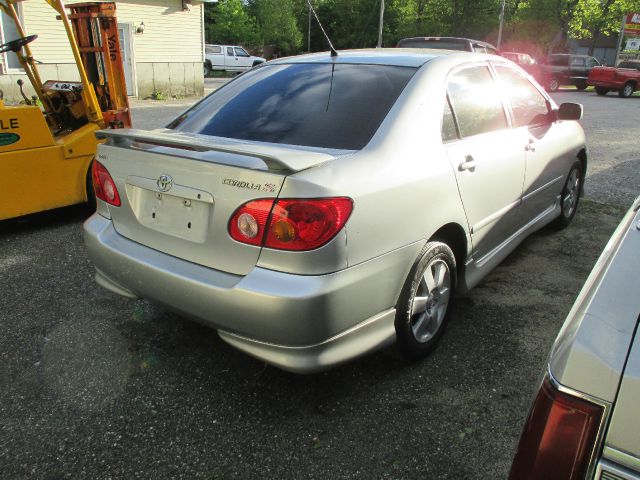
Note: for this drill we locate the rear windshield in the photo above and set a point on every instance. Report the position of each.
(318, 105)
(433, 43)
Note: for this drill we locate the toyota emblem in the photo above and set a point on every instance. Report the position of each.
(164, 182)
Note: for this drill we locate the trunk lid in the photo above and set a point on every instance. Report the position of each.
(179, 190)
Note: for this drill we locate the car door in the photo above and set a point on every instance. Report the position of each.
(533, 122)
(230, 59)
(487, 157)
(243, 58)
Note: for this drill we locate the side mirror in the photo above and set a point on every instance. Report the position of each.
(569, 111)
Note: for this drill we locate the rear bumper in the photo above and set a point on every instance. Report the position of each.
(299, 323)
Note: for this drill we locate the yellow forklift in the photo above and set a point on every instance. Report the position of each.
(47, 142)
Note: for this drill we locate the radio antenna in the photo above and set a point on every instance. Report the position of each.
(334, 52)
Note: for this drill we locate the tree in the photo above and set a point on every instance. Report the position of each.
(277, 25)
(228, 22)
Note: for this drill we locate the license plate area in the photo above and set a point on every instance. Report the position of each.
(184, 214)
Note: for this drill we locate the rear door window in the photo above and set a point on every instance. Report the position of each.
(449, 130)
(476, 101)
(319, 105)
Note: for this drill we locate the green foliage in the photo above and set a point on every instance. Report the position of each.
(228, 22)
(277, 25)
(535, 26)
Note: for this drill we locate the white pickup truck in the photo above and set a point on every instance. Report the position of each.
(229, 58)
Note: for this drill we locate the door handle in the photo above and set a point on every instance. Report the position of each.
(530, 147)
(468, 164)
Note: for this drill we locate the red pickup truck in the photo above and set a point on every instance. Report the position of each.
(625, 78)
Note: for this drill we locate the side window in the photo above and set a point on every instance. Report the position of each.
(476, 102)
(592, 62)
(240, 52)
(479, 49)
(528, 105)
(213, 49)
(230, 52)
(449, 131)
(577, 62)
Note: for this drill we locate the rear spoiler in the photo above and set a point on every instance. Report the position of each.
(275, 158)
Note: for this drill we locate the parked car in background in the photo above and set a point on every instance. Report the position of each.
(529, 65)
(568, 69)
(228, 58)
(585, 420)
(448, 43)
(624, 79)
(321, 207)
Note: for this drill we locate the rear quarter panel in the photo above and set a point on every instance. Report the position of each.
(402, 183)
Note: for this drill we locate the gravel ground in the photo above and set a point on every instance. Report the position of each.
(97, 386)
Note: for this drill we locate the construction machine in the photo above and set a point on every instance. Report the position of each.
(47, 142)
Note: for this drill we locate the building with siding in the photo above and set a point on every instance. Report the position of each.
(162, 42)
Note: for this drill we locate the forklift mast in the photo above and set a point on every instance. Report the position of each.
(96, 32)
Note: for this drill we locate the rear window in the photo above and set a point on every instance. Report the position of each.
(317, 105)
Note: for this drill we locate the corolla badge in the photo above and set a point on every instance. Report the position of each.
(164, 182)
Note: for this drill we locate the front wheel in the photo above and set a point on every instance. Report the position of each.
(582, 85)
(569, 198)
(602, 91)
(424, 306)
(627, 90)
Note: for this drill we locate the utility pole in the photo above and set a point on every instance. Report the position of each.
(381, 22)
(620, 37)
(309, 32)
(501, 22)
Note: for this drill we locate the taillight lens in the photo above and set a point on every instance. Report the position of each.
(558, 438)
(103, 185)
(290, 224)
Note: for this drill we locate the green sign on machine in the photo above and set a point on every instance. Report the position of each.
(8, 139)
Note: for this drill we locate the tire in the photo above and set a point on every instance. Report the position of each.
(569, 198)
(582, 85)
(206, 70)
(627, 90)
(425, 304)
(602, 91)
(553, 85)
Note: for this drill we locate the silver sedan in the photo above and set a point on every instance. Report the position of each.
(321, 207)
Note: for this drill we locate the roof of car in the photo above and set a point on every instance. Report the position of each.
(402, 57)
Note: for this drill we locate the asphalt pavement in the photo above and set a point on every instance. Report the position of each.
(97, 386)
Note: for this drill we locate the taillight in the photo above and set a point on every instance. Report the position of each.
(103, 185)
(290, 224)
(558, 437)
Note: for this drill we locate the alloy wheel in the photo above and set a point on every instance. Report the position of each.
(570, 193)
(429, 306)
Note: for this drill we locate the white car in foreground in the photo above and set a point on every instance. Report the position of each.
(585, 419)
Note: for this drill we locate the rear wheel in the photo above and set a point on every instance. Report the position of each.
(602, 90)
(553, 85)
(569, 198)
(206, 70)
(627, 90)
(424, 306)
(581, 85)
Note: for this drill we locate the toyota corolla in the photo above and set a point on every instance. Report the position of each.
(321, 207)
